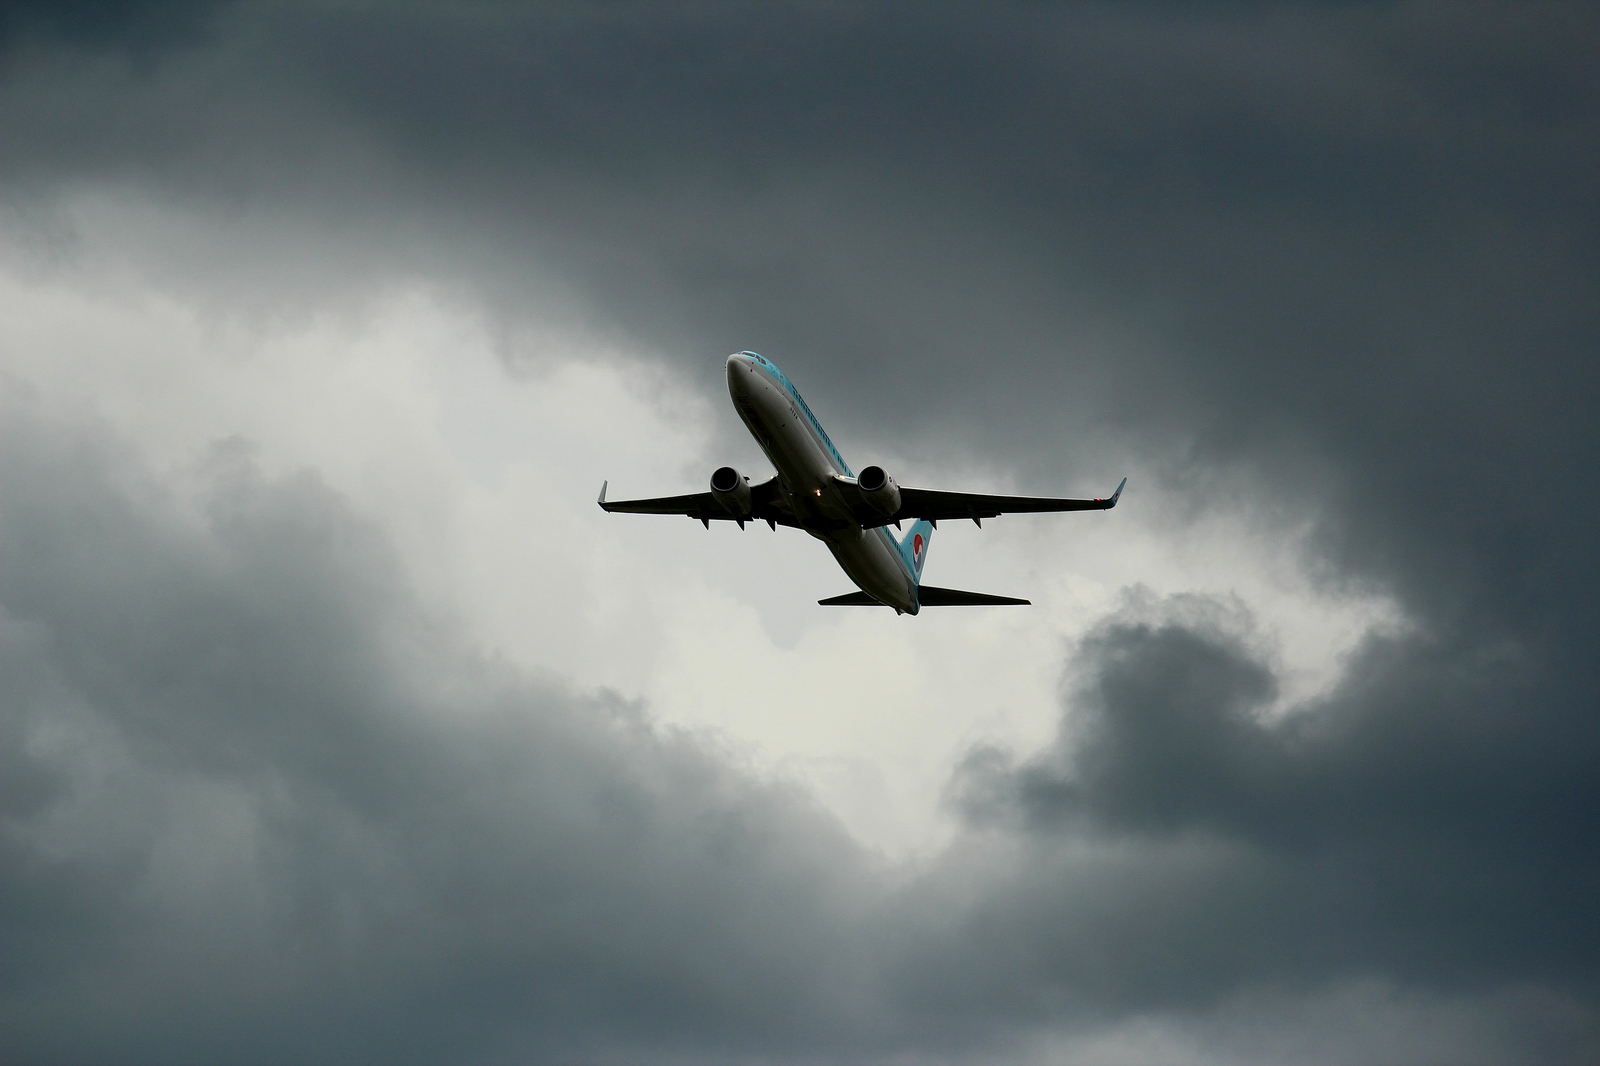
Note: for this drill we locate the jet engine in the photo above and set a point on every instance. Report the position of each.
(879, 490)
(732, 490)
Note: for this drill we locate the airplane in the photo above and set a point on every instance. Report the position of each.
(815, 490)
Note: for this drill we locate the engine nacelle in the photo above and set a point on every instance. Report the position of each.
(879, 490)
(732, 490)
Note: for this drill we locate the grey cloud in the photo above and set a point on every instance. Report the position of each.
(260, 808)
(142, 31)
(1403, 825)
(1239, 238)
(1328, 264)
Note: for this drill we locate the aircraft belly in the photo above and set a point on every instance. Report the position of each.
(805, 472)
(776, 426)
(874, 566)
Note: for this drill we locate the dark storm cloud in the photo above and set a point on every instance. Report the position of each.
(260, 807)
(145, 31)
(257, 807)
(1241, 234)
(1405, 824)
(1329, 264)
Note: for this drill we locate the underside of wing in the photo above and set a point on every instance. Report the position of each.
(937, 505)
(929, 596)
(705, 507)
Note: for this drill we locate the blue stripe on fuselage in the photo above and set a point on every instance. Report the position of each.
(822, 434)
(895, 551)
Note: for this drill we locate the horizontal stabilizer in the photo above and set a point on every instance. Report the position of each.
(851, 599)
(928, 596)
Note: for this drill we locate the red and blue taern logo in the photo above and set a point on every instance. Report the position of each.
(914, 549)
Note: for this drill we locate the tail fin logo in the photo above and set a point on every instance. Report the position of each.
(917, 544)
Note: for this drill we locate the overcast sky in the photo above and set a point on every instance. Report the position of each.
(338, 725)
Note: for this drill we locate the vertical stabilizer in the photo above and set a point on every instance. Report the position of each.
(914, 546)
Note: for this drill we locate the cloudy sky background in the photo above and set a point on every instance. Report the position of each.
(338, 725)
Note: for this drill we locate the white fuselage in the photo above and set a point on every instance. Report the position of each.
(807, 462)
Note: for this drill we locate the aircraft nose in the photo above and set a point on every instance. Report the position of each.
(738, 364)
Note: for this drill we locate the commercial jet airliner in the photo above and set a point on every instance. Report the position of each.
(815, 490)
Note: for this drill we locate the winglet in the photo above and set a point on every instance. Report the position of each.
(602, 500)
(1110, 504)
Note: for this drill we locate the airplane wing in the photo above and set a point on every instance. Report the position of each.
(704, 506)
(936, 504)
